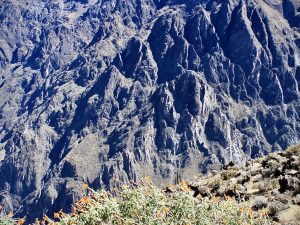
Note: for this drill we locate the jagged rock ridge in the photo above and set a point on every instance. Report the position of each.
(92, 90)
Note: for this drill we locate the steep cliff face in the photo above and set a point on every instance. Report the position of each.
(96, 89)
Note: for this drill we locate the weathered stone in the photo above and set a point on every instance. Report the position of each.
(243, 177)
(290, 215)
(296, 199)
(260, 202)
(274, 207)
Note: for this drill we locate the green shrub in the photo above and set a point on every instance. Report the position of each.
(10, 221)
(149, 205)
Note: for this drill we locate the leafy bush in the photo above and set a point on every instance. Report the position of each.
(149, 205)
(7, 220)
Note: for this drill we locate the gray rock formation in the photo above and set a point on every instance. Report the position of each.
(271, 183)
(96, 89)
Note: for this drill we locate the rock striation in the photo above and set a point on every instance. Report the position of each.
(96, 89)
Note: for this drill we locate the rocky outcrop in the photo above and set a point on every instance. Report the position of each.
(271, 183)
(92, 90)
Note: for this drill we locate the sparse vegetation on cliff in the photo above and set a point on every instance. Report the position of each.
(146, 204)
(264, 191)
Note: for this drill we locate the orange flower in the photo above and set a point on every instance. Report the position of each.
(228, 198)
(45, 218)
(250, 212)
(21, 222)
(37, 222)
(56, 215)
(166, 209)
(10, 214)
(263, 212)
(85, 186)
(83, 200)
(184, 186)
(242, 210)
(62, 214)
